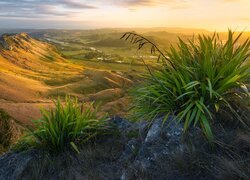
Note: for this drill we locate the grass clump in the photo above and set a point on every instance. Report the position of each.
(197, 79)
(65, 126)
(5, 129)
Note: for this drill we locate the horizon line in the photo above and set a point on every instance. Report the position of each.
(100, 28)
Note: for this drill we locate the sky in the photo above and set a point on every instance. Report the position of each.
(212, 15)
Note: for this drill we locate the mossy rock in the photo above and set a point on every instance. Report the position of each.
(5, 128)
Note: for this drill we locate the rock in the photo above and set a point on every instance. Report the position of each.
(130, 151)
(143, 153)
(160, 141)
(159, 151)
(154, 131)
(121, 123)
(14, 164)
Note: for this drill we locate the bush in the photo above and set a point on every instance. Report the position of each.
(5, 129)
(65, 126)
(196, 80)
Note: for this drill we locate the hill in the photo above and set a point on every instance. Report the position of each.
(25, 62)
(33, 72)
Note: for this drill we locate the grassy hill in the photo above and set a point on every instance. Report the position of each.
(25, 64)
(33, 72)
(43, 64)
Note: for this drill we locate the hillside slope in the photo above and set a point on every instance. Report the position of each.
(24, 63)
(33, 72)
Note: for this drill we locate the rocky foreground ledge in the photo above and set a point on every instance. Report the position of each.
(137, 151)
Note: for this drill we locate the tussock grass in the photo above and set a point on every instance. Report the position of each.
(65, 126)
(196, 80)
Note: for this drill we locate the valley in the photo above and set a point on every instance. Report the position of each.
(34, 73)
(39, 66)
(126, 89)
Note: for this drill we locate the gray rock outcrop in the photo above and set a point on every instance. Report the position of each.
(136, 151)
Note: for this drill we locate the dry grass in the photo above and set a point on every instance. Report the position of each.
(10, 131)
(33, 72)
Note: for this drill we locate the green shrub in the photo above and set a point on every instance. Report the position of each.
(65, 126)
(196, 80)
(5, 129)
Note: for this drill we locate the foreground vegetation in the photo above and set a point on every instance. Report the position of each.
(196, 80)
(5, 130)
(66, 125)
(201, 83)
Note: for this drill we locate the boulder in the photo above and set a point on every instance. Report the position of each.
(140, 150)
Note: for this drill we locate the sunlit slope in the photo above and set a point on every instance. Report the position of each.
(31, 54)
(25, 63)
(33, 72)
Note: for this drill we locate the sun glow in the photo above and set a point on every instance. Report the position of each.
(211, 15)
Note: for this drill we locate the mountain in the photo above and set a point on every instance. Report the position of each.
(25, 52)
(32, 72)
(24, 63)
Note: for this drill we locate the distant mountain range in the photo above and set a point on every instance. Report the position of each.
(143, 30)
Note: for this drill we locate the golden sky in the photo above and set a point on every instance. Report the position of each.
(208, 14)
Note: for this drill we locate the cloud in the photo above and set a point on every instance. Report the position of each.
(135, 2)
(41, 8)
(138, 3)
(42, 24)
(134, 5)
(66, 8)
(231, 1)
(76, 5)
